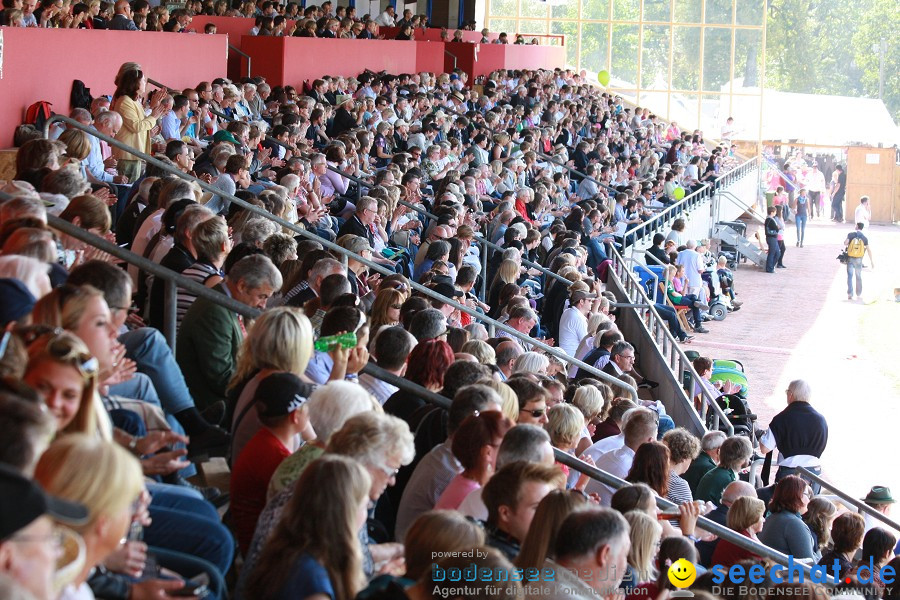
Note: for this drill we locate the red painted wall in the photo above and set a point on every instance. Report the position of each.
(534, 57)
(290, 61)
(40, 64)
(481, 59)
(433, 34)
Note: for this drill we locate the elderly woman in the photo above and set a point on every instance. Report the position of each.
(785, 530)
(733, 456)
(746, 517)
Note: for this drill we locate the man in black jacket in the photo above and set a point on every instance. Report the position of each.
(771, 231)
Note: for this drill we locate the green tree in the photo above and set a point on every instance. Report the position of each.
(880, 21)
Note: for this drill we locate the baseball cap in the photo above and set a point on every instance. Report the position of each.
(443, 285)
(225, 136)
(22, 501)
(280, 394)
(358, 244)
(18, 301)
(578, 295)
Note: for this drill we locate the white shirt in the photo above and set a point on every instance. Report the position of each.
(379, 389)
(862, 215)
(473, 506)
(572, 329)
(607, 444)
(618, 463)
(385, 19)
(692, 266)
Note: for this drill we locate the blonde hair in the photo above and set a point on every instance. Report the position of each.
(65, 306)
(101, 475)
(68, 349)
(280, 339)
(78, 145)
(645, 534)
(745, 512)
(565, 423)
(507, 273)
(481, 350)
(590, 401)
(437, 531)
(509, 402)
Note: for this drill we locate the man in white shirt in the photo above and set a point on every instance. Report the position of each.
(391, 349)
(386, 19)
(573, 323)
(863, 212)
(640, 428)
(693, 268)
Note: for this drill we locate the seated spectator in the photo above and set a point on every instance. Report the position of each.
(784, 529)
(428, 362)
(391, 349)
(305, 557)
(474, 446)
(279, 403)
(640, 428)
(211, 335)
(877, 550)
(683, 449)
(820, 514)
(706, 461)
(540, 543)
(745, 516)
(734, 456)
(847, 535)
(511, 497)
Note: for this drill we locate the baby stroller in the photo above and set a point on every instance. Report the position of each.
(733, 371)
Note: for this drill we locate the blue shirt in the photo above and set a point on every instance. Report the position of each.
(319, 368)
(307, 577)
(94, 162)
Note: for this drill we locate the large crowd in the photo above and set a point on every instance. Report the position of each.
(341, 484)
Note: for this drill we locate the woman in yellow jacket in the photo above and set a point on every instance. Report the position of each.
(136, 122)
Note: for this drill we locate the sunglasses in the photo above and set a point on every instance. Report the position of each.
(537, 413)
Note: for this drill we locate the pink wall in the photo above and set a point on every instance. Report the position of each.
(40, 64)
(290, 61)
(433, 34)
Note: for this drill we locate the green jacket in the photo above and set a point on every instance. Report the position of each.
(208, 342)
(702, 465)
(714, 483)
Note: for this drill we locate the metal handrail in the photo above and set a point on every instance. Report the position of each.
(860, 505)
(593, 472)
(515, 334)
(453, 56)
(664, 215)
(244, 54)
(669, 345)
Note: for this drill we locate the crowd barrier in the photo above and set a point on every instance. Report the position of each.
(41, 64)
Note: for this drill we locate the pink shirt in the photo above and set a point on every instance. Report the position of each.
(456, 492)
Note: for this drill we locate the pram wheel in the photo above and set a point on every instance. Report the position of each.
(718, 311)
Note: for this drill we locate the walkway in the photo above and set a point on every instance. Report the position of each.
(798, 324)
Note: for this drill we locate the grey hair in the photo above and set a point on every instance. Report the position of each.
(29, 205)
(366, 203)
(712, 440)
(373, 438)
(477, 331)
(800, 390)
(531, 362)
(30, 271)
(332, 404)
(66, 181)
(618, 348)
(192, 216)
(512, 254)
(107, 118)
(220, 155)
(255, 231)
(690, 244)
(256, 271)
(428, 324)
(522, 442)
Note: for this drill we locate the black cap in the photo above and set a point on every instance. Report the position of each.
(22, 501)
(443, 285)
(280, 394)
(18, 301)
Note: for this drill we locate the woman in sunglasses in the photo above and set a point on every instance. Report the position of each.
(386, 308)
(64, 372)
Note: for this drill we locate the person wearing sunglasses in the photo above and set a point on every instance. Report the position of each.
(532, 401)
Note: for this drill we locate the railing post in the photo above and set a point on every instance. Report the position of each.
(170, 313)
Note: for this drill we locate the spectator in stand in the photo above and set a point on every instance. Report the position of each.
(211, 335)
(784, 529)
(879, 498)
(877, 549)
(745, 516)
(706, 461)
(137, 124)
(122, 19)
(640, 428)
(734, 456)
(799, 433)
(512, 497)
(683, 449)
(847, 533)
(391, 349)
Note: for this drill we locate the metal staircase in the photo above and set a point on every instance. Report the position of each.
(745, 247)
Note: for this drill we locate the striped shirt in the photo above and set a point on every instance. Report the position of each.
(199, 272)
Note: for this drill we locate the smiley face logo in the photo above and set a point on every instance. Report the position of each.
(682, 573)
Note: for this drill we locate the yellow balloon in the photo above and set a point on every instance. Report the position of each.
(682, 573)
(603, 78)
(678, 193)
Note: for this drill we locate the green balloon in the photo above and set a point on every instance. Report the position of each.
(678, 193)
(603, 78)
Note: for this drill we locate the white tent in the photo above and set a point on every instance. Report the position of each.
(816, 119)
